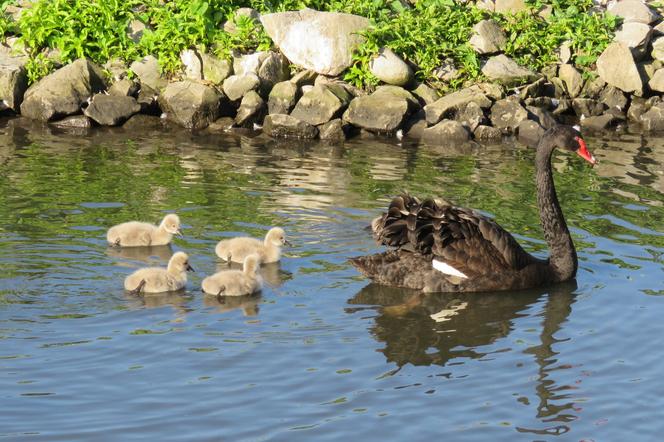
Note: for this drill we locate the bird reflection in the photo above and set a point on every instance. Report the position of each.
(178, 300)
(248, 303)
(433, 329)
(271, 273)
(150, 254)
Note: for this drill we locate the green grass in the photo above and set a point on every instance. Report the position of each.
(424, 35)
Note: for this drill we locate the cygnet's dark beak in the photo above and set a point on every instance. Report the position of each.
(190, 268)
(178, 233)
(288, 243)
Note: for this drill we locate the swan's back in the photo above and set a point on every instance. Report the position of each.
(239, 248)
(440, 247)
(157, 280)
(132, 233)
(232, 283)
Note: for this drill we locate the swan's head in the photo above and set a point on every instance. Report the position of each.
(179, 263)
(569, 138)
(171, 224)
(251, 263)
(276, 236)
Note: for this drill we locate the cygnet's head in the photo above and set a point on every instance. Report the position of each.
(179, 262)
(171, 223)
(251, 263)
(276, 236)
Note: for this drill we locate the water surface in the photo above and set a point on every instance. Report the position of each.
(320, 354)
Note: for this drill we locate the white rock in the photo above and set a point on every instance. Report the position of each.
(634, 11)
(320, 41)
(193, 68)
(390, 68)
(488, 37)
(616, 66)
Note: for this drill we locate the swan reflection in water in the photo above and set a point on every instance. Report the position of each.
(412, 324)
(271, 273)
(153, 255)
(180, 300)
(248, 304)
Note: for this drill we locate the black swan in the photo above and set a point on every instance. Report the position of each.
(437, 247)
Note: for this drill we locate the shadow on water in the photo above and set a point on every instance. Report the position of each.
(437, 328)
(156, 255)
(249, 304)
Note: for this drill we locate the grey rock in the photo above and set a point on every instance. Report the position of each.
(616, 66)
(318, 106)
(653, 119)
(236, 86)
(542, 117)
(377, 113)
(273, 70)
(320, 41)
(124, 87)
(190, 104)
(13, 81)
(117, 68)
(503, 69)
(492, 90)
(147, 71)
(634, 11)
(215, 69)
(529, 133)
(306, 77)
(249, 63)
(135, 30)
(534, 89)
(389, 68)
(333, 130)
(425, 94)
(486, 5)
(637, 107)
(147, 99)
(488, 134)
(488, 37)
(547, 103)
(657, 52)
(282, 98)
(593, 87)
(471, 115)
(193, 66)
(62, 92)
(74, 121)
(636, 37)
(563, 106)
(111, 110)
(414, 125)
(287, 126)
(396, 91)
(447, 71)
(572, 79)
(446, 133)
(656, 83)
(507, 114)
(450, 103)
(510, 6)
(588, 107)
(565, 53)
(251, 110)
(613, 97)
(600, 123)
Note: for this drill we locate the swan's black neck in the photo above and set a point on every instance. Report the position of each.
(562, 261)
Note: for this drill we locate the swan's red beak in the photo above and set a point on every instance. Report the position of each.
(583, 152)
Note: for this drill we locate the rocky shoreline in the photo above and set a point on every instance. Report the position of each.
(259, 92)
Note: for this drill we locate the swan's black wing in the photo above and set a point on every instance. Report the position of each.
(468, 241)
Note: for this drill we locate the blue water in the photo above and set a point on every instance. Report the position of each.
(320, 354)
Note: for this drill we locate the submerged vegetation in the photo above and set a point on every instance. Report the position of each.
(425, 34)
